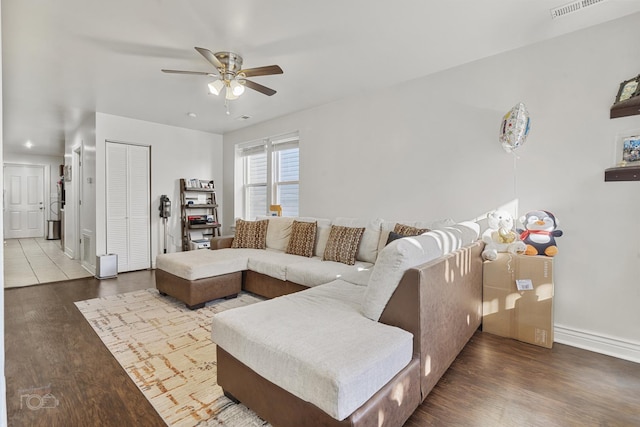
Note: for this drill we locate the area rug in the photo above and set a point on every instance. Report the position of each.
(167, 351)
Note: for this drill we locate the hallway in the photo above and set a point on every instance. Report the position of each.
(37, 260)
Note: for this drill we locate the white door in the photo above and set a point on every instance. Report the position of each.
(128, 206)
(23, 201)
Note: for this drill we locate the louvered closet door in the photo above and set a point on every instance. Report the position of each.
(128, 213)
(139, 208)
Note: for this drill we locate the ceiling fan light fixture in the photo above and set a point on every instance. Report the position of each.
(229, 95)
(236, 88)
(231, 77)
(216, 87)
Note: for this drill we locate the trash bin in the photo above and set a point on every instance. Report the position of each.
(53, 229)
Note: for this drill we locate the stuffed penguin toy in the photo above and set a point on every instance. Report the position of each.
(539, 233)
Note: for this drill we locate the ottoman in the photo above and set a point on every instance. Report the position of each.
(196, 277)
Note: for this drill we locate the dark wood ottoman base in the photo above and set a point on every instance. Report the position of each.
(195, 293)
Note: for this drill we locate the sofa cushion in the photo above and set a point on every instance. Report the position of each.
(396, 258)
(368, 249)
(394, 236)
(194, 265)
(250, 234)
(342, 245)
(272, 263)
(314, 272)
(319, 347)
(322, 237)
(303, 239)
(456, 236)
(278, 231)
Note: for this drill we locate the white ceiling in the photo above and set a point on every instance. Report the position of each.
(62, 59)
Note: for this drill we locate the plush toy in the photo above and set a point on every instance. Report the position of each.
(500, 236)
(539, 233)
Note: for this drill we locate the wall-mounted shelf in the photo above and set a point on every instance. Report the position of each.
(630, 107)
(625, 173)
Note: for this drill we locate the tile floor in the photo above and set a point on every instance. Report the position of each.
(34, 261)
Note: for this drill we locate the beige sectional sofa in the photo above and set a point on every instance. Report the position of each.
(361, 353)
(271, 272)
(364, 343)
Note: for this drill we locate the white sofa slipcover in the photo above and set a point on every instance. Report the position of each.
(317, 345)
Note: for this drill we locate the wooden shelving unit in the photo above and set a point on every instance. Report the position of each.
(198, 204)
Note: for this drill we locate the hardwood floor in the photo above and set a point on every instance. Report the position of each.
(48, 343)
(494, 382)
(502, 382)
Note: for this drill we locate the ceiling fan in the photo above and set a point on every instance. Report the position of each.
(230, 76)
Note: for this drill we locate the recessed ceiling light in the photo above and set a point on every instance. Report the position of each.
(193, 115)
(28, 144)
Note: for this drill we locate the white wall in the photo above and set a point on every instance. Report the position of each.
(3, 386)
(82, 138)
(175, 153)
(429, 149)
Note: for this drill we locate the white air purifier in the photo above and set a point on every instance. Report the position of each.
(106, 266)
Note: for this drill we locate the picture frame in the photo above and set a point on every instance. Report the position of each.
(628, 89)
(628, 148)
(631, 150)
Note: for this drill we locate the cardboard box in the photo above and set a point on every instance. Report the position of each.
(526, 315)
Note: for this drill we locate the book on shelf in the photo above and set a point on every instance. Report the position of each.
(197, 200)
(194, 183)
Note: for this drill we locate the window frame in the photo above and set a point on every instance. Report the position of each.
(271, 147)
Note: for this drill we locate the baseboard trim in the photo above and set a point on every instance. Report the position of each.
(610, 346)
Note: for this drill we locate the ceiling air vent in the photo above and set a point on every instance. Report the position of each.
(574, 6)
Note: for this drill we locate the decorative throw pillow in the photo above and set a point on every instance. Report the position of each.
(251, 234)
(342, 245)
(303, 238)
(394, 236)
(408, 230)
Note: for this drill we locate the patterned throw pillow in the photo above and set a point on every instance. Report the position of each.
(401, 230)
(343, 244)
(407, 230)
(251, 234)
(303, 238)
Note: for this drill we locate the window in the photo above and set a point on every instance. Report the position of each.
(270, 175)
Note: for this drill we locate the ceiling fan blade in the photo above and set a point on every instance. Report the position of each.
(262, 89)
(199, 73)
(262, 71)
(209, 56)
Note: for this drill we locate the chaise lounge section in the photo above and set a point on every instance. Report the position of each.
(347, 354)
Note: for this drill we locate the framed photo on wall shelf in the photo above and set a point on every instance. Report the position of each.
(628, 89)
(628, 149)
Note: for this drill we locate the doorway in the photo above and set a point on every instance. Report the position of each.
(24, 201)
(29, 257)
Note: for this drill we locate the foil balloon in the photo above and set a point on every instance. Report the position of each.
(514, 128)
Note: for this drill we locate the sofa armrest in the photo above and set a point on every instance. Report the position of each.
(221, 242)
(440, 303)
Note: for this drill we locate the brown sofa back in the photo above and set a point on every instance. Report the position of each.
(440, 303)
